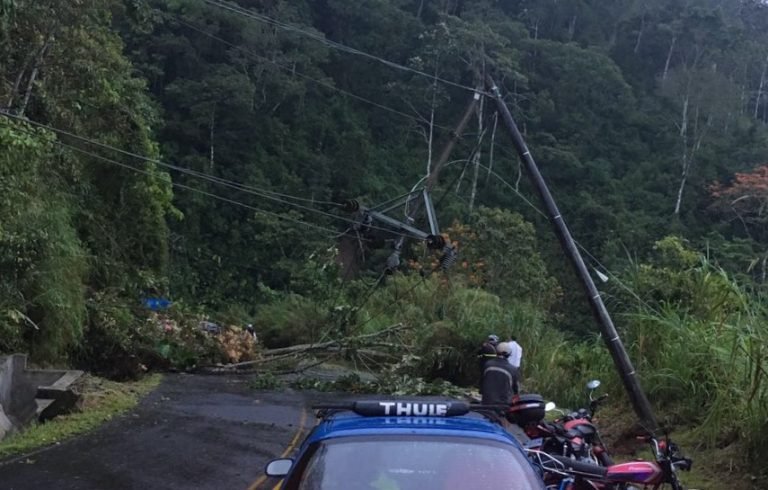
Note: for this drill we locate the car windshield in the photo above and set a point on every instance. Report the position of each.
(416, 463)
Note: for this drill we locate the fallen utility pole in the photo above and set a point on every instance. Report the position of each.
(610, 335)
(349, 244)
(414, 208)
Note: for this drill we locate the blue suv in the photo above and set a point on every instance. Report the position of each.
(406, 445)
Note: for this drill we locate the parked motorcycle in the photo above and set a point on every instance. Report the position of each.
(664, 470)
(562, 473)
(574, 435)
(582, 433)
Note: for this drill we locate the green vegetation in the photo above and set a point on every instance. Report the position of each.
(102, 400)
(390, 385)
(76, 236)
(648, 118)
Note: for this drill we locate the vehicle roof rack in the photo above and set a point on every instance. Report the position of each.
(410, 408)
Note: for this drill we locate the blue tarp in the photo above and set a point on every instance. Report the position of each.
(157, 303)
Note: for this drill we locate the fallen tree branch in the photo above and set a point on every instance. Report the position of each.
(307, 367)
(331, 345)
(324, 345)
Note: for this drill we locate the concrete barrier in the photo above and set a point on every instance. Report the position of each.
(26, 394)
(6, 427)
(17, 393)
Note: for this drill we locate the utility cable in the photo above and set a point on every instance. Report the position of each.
(394, 199)
(250, 189)
(338, 46)
(217, 180)
(163, 164)
(332, 232)
(582, 248)
(335, 233)
(369, 293)
(392, 303)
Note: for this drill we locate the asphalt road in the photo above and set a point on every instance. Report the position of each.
(193, 432)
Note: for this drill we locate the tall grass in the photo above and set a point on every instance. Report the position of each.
(700, 342)
(448, 319)
(56, 285)
(697, 338)
(42, 265)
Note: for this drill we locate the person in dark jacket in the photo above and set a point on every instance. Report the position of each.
(499, 383)
(486, 352)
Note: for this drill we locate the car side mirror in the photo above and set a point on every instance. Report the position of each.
(278, 467)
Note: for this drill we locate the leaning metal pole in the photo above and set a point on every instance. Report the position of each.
(394, 260)
(609, 333)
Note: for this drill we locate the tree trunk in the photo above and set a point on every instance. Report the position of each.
(572, 29)
(19, 78)
(212, 127)
(669, 57)
(685, 157)
(33, 77)
(683, 179)
(431, 138)
(640, 34)
(493, 145)
(764, 116)
(760, 88)
(478, 153)
(742, 99)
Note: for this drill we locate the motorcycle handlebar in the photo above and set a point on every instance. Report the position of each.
(587, 470)
(670, 451)
(682, 463)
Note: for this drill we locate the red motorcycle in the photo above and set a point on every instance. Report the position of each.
(563, 473)
(668, 461)
(573, 436)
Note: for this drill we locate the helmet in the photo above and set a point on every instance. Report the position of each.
(494, 339)
(504, 349)
(488, 349)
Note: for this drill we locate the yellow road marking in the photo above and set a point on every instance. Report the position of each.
(291, 446)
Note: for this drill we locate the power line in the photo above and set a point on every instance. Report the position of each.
(293, 71)
(338, 46)
(335, 233)
(202, 175)
(392, 303)
(273, 195)
(581, 247)
(235, 185)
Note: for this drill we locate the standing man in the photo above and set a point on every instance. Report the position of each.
(499, 383)
(515, 353)
(486, 352)
(515, 356)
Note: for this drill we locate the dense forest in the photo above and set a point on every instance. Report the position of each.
(200, 150)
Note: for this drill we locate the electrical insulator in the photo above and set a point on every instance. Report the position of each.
(351, 205)
(435, 242)
(449, 257)
(393, 262)
(364, 223)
